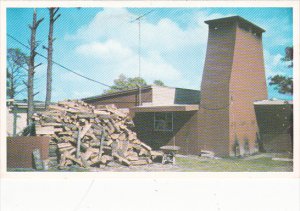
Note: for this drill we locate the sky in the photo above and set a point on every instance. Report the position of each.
(102, 43)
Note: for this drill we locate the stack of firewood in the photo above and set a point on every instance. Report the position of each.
(84, 135)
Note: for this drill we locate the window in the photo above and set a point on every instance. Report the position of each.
(163, 121)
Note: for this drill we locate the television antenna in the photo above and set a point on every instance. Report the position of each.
(138, 19)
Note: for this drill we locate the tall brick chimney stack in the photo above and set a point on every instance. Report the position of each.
(233, 78)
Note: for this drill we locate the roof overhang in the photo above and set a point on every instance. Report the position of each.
(232, 19)
(273, 102)
(166, 108)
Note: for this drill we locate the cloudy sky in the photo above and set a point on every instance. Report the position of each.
(102, 43)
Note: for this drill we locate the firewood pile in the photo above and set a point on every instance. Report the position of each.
(86, 136)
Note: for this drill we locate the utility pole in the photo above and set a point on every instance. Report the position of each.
(138, 19)
(53, 18)
(32, 66)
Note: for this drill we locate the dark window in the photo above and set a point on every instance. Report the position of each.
(163, 121)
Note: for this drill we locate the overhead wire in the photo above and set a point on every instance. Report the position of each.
(58, 64)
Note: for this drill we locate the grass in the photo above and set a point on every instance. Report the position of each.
(259, 163)
(234, 165)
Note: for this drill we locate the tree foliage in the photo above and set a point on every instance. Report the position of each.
(126, 83)
(289, 56)
(17, 63)
(158, 83)
(284, 84)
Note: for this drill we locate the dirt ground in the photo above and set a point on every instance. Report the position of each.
(265, 162)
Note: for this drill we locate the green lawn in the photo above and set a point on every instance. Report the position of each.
(265, 164)
(256, 163)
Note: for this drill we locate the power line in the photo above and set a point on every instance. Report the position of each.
(58, 64)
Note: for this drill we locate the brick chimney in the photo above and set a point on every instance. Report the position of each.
(233, 78)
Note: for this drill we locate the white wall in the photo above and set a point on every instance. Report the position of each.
(163, 95)
(21, 122)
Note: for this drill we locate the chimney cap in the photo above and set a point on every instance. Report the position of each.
(236, 19)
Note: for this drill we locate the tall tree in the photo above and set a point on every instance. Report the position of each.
(31, 65)
(16, 72)
(53, 17)
(158, 83)
(124, 83)
(289, 55)
(284, 84)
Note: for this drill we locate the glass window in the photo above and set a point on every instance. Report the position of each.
(163, 121)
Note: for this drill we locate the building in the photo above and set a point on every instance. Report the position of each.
(233, 78)
(150, 95)
(275, 122)
(16, 115)
(228, 116)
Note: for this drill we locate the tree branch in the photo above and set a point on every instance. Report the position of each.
(38, 65)
(55, 11)
(38, 22)
(26, 84)
(56, 17)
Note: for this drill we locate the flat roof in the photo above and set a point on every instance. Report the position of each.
(166, 108)
(114, 93)
(121, 92)
(234, 19)
(273, 102)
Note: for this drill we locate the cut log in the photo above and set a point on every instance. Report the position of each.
(97, 111)
(121, 159)
(44, 130)
(85, 130)
(156, 153)
(146, 146)
(54, 124)
(139, 162)
(122, 137)
(38, 163)
(132, 158)
(114, 136)
(64, 145)
(70, 157)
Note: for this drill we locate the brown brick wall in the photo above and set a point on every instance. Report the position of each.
(247, 84)
(183, 134)
(19, 150)
(213, 117)
(233, 79)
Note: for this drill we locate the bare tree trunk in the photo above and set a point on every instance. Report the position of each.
(31, 66)
(12, 88)
(53, 18)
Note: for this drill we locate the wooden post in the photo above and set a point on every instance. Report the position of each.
(15, 122)
(38, 163)
(101, 142)
(78, 144)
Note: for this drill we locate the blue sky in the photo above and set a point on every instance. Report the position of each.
(102, 43)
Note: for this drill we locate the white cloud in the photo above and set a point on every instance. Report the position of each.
(110, 50)
(163, 36)
(111, 42)
(275, 66)
(117, 59)
(277, 59)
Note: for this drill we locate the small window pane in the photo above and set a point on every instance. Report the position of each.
(163, 121)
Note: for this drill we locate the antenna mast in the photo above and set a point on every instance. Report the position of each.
(138, 19)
